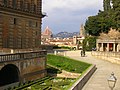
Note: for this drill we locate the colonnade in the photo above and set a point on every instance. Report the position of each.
(107, 46)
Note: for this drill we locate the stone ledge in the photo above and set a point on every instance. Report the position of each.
(78, 85)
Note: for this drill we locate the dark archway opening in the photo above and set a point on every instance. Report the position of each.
(9, 74)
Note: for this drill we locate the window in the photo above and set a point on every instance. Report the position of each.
(36, 24)
(15, 21)
(14, 3)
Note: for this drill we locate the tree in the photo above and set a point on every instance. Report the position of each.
(116, 12)
(104, 20)
(107, 5)
(91, 26)
(89, 43)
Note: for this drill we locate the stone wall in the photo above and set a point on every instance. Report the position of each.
(33, 69)
(113, 57)
(29, 65)
(20, 26)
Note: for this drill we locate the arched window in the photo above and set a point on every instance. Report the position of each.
(14, 4)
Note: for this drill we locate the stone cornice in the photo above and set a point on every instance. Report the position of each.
(22, 12)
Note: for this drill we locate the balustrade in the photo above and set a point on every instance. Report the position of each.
(22, 56)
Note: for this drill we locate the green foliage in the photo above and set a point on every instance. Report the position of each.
(46, 83)
(54, 84)
(91, 26)
(104, 20)
(106, 5)
(62, 47)
(89, 43)
(116, 12)
(67, 63)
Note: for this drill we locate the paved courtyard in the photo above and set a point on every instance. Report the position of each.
(98, 81)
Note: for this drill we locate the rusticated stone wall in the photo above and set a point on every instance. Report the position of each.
(33, 69)
(20, 24)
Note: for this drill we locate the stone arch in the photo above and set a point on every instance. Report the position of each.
(9, 74)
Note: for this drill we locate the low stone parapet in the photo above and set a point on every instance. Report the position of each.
(78, 85)
(113, 57)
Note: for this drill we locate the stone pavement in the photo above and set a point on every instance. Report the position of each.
(98, 81)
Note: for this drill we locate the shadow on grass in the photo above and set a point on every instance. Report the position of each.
(53, 71)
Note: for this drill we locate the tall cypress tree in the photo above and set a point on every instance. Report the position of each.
(107, 5)
(116, 13)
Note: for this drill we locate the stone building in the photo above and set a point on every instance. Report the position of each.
(82, 31)
(77, 40)
(109, 42)
(20, 23)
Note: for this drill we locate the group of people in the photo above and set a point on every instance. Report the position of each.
(82, 53)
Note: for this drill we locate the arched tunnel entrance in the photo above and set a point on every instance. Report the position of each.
(9, 74)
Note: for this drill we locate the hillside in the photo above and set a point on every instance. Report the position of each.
(65, 34)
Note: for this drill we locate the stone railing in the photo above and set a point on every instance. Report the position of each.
(22, 56)
(113, 57)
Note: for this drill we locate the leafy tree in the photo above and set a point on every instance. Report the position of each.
(91, 26)
(104, 20)
(89, 43)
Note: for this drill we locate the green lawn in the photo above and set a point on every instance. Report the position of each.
(67, 64)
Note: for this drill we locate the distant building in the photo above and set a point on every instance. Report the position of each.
(82, 31)
(47, 33)
(77, 40)
(73, 42)
(20, 23)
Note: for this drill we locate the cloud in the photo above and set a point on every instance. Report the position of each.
(67, 15)
(71, 4)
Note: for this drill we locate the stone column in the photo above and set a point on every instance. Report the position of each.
(101, 48)
(97, 48)
(114, 47)
(118, 47)
(108, 47)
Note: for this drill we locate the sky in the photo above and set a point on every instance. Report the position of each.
(68, 15)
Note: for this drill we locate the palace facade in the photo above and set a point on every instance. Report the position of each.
(20, 23)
